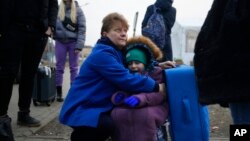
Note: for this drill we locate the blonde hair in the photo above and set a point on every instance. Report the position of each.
(61, 12)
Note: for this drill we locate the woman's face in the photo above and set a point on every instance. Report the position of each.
(117, 34)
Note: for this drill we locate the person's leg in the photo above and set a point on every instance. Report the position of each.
(167, 50)
(240, 112)
(32, 53)
(86, 133)
(10, 52)
(73, 61)
(102, 132)
(61, 53)
(106, 126)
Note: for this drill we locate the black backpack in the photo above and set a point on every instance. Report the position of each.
(155, 28)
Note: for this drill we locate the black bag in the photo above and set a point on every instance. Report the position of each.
(69, 25)
(222, 53)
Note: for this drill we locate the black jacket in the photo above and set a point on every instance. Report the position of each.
(6, 11)
(49, 13)
(42, 12)
(222, 53)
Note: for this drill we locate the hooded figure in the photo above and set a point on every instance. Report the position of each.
(140, 116)
(169, 15)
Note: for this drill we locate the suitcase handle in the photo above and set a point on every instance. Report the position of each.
(187, 109)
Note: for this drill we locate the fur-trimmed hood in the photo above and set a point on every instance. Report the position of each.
(144, 42)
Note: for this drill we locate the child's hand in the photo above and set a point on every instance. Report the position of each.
(132, 101)
(119, 97)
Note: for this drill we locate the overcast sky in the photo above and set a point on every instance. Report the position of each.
(189, 12)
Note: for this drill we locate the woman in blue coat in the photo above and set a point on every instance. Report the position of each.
(87, 106)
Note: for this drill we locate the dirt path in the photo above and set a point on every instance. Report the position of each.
(220, 120)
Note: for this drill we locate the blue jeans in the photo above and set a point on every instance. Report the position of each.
(240, 112)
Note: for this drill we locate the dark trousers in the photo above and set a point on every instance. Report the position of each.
(21, 46)
(103, 131)
(167, 50)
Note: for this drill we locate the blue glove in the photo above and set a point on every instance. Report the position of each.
(132, 101)
(119, 97)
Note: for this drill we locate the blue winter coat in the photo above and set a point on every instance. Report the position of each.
(101, 75)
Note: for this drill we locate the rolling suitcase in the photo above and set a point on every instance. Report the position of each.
(188, 120)
(45, 87)
(44, 83)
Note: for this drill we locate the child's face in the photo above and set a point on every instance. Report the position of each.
(136, 66)
(118, 34)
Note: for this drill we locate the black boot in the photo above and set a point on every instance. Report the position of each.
(59, 94)
(24, 119)
(6, 133)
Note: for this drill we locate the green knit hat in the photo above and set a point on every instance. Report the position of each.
(136, 54)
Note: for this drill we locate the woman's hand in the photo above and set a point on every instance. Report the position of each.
(167, 64)
(119, 97)
(49, 32)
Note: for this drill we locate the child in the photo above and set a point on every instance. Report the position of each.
(139, 116)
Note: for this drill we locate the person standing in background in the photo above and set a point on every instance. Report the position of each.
(25, 27)
(70, 38)
(222, 60)
(169, 15)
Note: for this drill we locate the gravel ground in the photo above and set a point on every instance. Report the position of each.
(220, 120)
